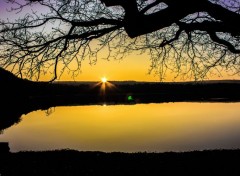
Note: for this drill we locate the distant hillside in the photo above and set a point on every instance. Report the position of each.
(7, 77)
(77, 83)
(12, 86)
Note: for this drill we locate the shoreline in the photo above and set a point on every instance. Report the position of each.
(71, 162)
(42, 96)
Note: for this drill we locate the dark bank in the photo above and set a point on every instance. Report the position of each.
(17, 91)
(69, 162)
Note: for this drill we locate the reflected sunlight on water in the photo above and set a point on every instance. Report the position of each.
(129, 128)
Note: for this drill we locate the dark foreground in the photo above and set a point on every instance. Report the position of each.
(68, 162)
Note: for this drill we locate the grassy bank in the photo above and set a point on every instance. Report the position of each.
(68, 162)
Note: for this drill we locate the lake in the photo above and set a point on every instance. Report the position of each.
(159, 127)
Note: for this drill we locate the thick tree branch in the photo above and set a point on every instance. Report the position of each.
(144, 10)
(227, 17)
(215, 26)
(176, 37)
(148, 23)
(183, 31)
(220, 13)
(211, 28)
(100, 21)
(92, 34)
(216, 39)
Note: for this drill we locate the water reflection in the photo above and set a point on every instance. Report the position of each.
(131, 128)
(11, 113)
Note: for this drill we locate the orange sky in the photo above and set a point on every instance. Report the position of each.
(133, 67)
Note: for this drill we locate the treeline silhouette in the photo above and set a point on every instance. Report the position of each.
(19, 90)
(84, 94)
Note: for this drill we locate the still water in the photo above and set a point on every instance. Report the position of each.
(129, 128)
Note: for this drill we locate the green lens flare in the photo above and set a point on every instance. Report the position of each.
(130, 98)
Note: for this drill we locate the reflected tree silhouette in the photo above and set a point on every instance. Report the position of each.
(192, 39)
(49, 111)
(11, 112)
(8, 118)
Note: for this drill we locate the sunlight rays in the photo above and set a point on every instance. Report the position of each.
(103, 86)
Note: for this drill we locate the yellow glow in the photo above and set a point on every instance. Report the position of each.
(132, 68)
(142, 127)
(104, 79)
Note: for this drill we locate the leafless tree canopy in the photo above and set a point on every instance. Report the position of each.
(190, 38)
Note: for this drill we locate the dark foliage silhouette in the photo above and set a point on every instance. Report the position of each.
(4, 148)
(68, 162)
(191, 39)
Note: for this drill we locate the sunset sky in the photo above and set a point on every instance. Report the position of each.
(132, 67)
(111, 116)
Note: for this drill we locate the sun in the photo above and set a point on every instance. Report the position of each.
(104, 79)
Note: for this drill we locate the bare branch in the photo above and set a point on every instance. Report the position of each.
(189, 38)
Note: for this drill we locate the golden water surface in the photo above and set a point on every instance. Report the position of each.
(129, 128)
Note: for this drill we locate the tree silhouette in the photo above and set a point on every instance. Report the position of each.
(190, 38)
